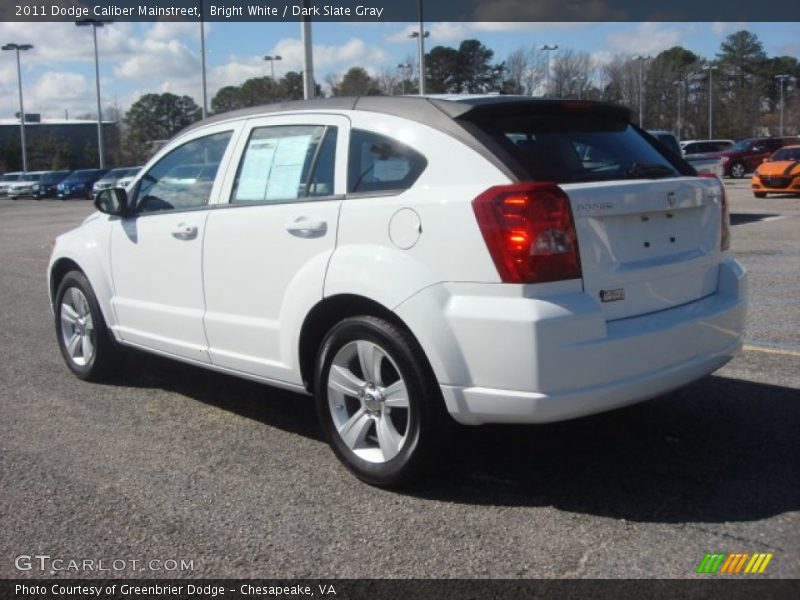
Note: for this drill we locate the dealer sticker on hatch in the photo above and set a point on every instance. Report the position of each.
(612, 295)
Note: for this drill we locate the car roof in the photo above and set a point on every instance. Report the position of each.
(432, 110)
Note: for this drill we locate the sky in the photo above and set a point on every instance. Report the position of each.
(139, 58)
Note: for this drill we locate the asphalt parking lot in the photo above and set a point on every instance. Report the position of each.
(170, 462)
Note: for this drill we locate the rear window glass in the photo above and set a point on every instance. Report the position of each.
(576, 148)
(379, 163)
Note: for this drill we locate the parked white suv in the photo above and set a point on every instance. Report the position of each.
(497, 259)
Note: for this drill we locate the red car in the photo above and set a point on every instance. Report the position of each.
(747, 154)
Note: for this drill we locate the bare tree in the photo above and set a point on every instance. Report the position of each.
(524, 71)
(572, 72)
(332, 82)
(388, 81)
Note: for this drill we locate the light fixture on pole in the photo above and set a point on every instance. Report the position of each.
(403, 76)
(782, 79)
(272, 60)
(21, 48)
(710, 68)
(421, 49)
(547, 48)
(641, 60)
(94, 24)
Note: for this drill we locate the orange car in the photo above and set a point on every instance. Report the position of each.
(778, 174)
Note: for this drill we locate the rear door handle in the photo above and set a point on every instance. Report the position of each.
(184, 231)
(303, 227)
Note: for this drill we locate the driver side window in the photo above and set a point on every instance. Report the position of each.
(184, 177)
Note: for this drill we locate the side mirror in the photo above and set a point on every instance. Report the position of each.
(766, 159)
(112, 201)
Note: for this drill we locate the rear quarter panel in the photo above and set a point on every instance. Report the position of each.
(448, 246)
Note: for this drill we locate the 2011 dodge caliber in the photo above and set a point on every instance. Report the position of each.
(494, 259)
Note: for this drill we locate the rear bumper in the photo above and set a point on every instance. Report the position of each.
(528, 360)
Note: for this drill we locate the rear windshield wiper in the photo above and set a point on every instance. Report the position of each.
(649, 171)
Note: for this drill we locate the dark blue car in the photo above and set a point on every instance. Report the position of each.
(79, 183)
(46, 188)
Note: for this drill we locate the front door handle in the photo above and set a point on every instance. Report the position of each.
(304, 227)
(184, 231)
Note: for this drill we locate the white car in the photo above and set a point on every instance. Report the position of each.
(494, 259)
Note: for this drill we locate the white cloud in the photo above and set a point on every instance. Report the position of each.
(645, 38)
(157, 60)
(354, 51)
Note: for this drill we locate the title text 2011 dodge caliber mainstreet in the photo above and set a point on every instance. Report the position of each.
(494, 259)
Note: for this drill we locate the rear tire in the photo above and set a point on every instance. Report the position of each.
(85, 342)
(376, 400)
(760, 194)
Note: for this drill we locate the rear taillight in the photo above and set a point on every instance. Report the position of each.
(725, 216)
(529, 231)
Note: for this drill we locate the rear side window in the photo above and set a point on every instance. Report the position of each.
(380, 164)
(572, 148)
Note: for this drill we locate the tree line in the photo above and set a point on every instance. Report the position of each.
(675, 87)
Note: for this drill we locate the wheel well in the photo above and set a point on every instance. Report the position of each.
(325, 315)
(61, 268)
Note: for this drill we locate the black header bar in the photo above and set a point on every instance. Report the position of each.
(385, 11)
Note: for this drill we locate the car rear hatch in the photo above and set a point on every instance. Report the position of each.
(647, 245)
(647, 228)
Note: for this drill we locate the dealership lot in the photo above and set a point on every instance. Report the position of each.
(170, 462)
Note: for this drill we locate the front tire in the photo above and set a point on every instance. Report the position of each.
(85, 342)
(760, 194)
(738, 170)
(376, 400)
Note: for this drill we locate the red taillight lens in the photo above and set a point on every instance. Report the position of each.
(529, 231)
(725, 215)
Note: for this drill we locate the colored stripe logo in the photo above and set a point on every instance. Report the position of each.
(735, 563)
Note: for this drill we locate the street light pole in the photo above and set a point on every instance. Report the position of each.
(309, 88)
(782, 79)
(641, 60)
(679, 84)
(203, 61)
(710, 68)
(422, 34)
(95, 23)
(580, 80)
(403, 67)
(421, 49)
(272, 60)
(17, 48)
(547, 48)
